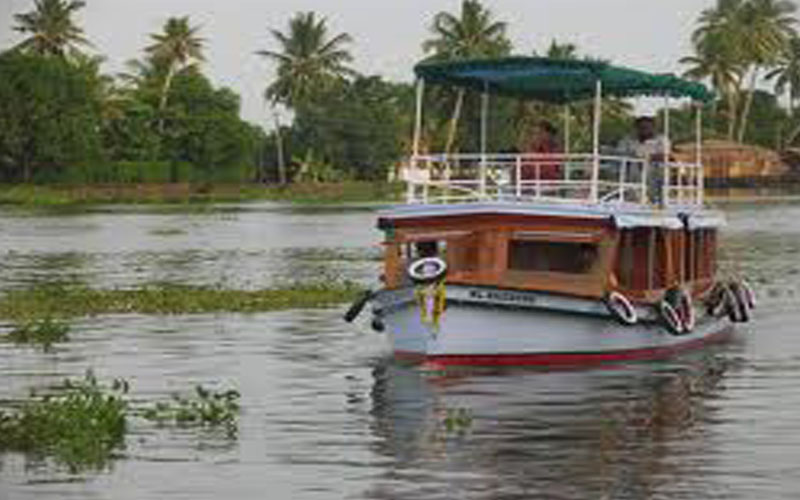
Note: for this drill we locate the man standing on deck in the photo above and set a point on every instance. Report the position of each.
(652, 148)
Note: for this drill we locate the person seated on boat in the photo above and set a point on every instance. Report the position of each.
(544, 142)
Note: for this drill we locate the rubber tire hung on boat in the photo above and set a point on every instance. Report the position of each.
(669, 316)
(677, 311)
(427, 270)
(621, 308)
(734, 299)
(739, 310)
(719, 301)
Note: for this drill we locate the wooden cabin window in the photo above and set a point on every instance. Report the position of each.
(551, 256)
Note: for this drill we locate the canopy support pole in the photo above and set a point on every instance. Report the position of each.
(484, 113)
(598, 98)
(566, 141)
(665, 161)
(417, 136)
(666, 128)
(698, 152)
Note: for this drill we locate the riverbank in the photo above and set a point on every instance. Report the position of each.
(57, 195)
(63, 301)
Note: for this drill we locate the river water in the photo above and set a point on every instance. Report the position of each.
(325, 415)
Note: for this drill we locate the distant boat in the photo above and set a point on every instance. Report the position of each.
(496, 261)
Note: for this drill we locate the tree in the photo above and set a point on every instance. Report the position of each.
(786, 73)
(51, 28)
(309, 63)
(716, 59)
(770, 27)
(177, 48)
(741, 37)
(471, 34)
(49, 116)
(565, 51)
(360, 128)
(309, 60)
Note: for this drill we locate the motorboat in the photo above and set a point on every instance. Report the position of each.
(559, 258)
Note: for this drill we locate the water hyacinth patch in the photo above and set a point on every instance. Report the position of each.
(42, 332)
(76, 300)
(79, 423)
(204, 408)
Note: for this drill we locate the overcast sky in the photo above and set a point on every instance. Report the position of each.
(647, 34)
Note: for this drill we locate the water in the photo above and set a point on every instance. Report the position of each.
(325, 415)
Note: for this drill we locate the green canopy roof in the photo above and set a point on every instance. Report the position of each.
(556, 80)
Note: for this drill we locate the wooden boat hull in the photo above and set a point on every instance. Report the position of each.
(493, 327)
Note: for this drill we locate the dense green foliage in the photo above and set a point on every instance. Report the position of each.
(49, 119)
(164, 121)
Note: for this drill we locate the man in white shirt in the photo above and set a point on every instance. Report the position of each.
(646, 144)
(653, 148)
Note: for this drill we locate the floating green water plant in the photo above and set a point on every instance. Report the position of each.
(42, 332)
(204, 408)
(79, 424)
(55, 300)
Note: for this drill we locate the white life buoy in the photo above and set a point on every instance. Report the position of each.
(621, 308)
(427, 270)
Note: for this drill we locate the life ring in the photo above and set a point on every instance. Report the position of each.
(670, 317)
(427, 270)
(621, 308)
(681, 302)
(739, 312)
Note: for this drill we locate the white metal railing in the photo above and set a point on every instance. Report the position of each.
(562, 178)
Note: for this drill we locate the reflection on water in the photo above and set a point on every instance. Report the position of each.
(577, 434)
(325, 415)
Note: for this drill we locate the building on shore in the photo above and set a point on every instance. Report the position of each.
(730, 161)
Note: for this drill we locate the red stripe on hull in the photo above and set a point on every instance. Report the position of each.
(561, 359)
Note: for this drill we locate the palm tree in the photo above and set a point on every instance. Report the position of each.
(177, 48)
(770, 27)
(51, 28)
(309, 63)
(737, 38)
(787, 77)
(472, 34)
(717, 60)
(786, 73)
(309, 60)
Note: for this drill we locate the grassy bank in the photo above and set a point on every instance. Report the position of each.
(64, 195)
(57, 301)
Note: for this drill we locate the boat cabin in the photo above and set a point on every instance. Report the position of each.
(575, 255)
